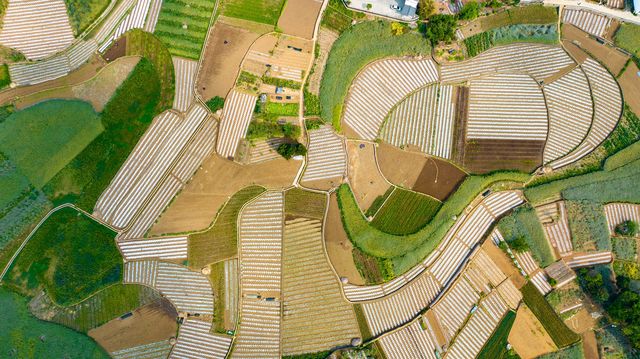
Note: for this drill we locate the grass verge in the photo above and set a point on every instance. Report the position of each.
(217, 283)
(82, 13)
(362, 322)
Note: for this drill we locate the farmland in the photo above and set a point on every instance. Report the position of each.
(223, 234)
(628, 38)
(83, 13)
(301, 203)
(547, 34)
(61, 259)
(183, 24)
(523, 223)
(266, 12)
(337, 17)
(405, 212)
(588, 226)
(496, 347)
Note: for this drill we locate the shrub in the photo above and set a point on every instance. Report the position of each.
(519, 244)
(523, 231)
(215, 104)
(469, 11)
(425, 9)
(289, 150)
(624, 248)
(313, 124)
(5, 78)
(627, 228)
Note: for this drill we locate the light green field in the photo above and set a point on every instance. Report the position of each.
(262, 11)
(83, 13)
(628, 38)
(183, 25)
(42, 139)
(405, 212)
(523, 222)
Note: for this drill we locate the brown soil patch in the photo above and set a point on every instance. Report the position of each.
(460, 125)
(152, 323)
(299, 18)
(366, 181)
(324, 184)
(504, 263)
(590, 345)
(528, 337)
(630, 84)
(196, 206)
(338, 245)
(326, 38)
(581, 322)
(97, 91)
(482, 156)
(8, 55)
(576, 53)
(83, 73)
(116, 50)
(276, 55)
(418, 171)
(437, 329)
(224, 51)
(609, 56)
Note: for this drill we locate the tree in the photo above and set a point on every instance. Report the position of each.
(215, 103)
(397, 28)
(441, 28)
(425, 9)
(469, 11)
(519, 244)
(288, 150)
(369, 6)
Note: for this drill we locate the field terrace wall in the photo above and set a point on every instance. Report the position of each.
(594, 24)
(555, 224)
(37, 28)
(190, 292)
(234, 121)
(424, 119)
(443, 262)
(570, 113)
(185, 81)
(618, 213)
(195, 341)
(260, 256)
(536, 60)
(315, 315)
(326, 157)
(147, 351)
(607, 102)
(171, 248)
(379, 87)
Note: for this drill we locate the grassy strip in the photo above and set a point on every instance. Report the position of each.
(408, 250)
(524, 223)
(281, 109)
(532, 14)
(405, 212)
(5, 77)
(62, 259)
(125, 119)
(221, 240)
(361, 44)
(496, 346)
(281, 82)
(562, 336)
(21, 332)
(318, 355)
(628, 38)
(362, 322)
(301, 203)
(82, 13)
(218, 284)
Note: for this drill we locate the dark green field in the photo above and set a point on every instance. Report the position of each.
(496, 346)
(405, 212)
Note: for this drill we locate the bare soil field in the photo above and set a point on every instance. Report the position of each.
(82, 74)
(613, 59)
(326, 38)
(196, 206)
(279, 56)
(338, 245)
(299, 18)
(116, 50)
(504, 263)
(323, 184)
(460, 125)
(482, 156)
(225, 48)
(576, 53)
(581, 322)
(528, 337)
(590, 345)
(630, 84)
(151, 323)
(366, 181)
(421, 173)
(97, 90)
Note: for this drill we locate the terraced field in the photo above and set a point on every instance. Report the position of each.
(183, 24)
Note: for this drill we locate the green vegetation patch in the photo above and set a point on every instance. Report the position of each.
(589, 229)
(183, 25)
(523, 223)
(311, 103)
(262, 11)
(125, 119)
(82, 13)
(624, 248)
(25, 336)
(532, 14)
(220, 241)
(41, 140)
(540, 33)
(281, 109)
(405, 212)
(361, 44)
(338, 17)
(217, 279)
(281, 82)
(562, 336)
(378, 202)
(373, 270)
(301, 203)
(215, 104)
(628, 37)
(618, 346)
(318, 355)
(496, 346)
(71, 256)
(575, 351)
(5, 78)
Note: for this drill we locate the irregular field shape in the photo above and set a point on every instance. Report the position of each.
(379, 87)
(587, 21)
(558, 232)
(536, 60)
(424, 119)
(184, 41)
(234, 121)
(37, 28)
(122, 22)
(196, 342)
(618, 213)
(570, 113)
(506, 106)
(326, 157)
(108, 26)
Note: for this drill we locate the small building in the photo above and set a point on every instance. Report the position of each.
(410, 7)
(636, 7)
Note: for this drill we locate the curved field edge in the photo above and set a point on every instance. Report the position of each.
(406, 251)
(361, 44)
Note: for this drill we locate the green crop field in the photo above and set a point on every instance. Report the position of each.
(496, 346)
(107, 304)
(218, 284)
(281, 109)
(57, 131)
(523, 222)
(301, 203)
(362, 322)
(628, 38)
(589, 229)
(262, 11)
(562, 336)
(25, 336)
(83, 13)
(183, 25)
(361, 44)
(405, 212)
(70, 256)
(540, 33)
(221, 240)
(533, 14)
(337, 17)
(5, 77)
